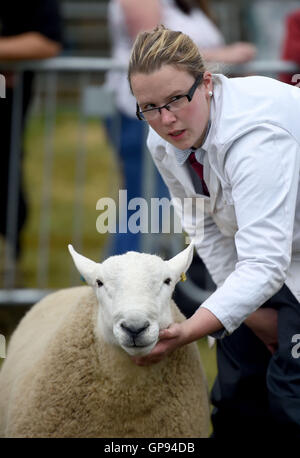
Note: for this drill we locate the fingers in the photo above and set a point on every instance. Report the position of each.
(169, 333)
(166, 344)
(164, 334)
(146, 361)
(139, 361)
(155, 356)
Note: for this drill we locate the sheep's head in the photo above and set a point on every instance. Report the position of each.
(134, 292)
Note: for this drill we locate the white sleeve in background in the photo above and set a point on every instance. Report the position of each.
(263, 170)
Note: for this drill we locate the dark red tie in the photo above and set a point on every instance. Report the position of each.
(199, 170)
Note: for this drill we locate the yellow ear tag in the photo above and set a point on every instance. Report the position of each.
(183, 276)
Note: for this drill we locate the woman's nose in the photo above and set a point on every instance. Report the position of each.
(167, 116)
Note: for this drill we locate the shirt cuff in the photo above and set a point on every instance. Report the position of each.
(226, 322)
(220, 334)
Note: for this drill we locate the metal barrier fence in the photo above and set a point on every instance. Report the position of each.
(52, 70)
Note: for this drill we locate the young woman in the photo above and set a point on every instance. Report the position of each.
(245, 134)
(126, 19)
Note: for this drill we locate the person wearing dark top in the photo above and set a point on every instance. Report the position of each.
(28, 30)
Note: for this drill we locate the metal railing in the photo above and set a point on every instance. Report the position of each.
(52, 70)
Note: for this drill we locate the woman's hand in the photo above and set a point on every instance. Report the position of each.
(169, 340)
(240, 52)
(201, 324)
(263, 322)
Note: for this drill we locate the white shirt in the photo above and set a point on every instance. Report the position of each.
(200, 28)
(251, 243)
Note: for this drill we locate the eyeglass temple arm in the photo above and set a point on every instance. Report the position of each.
(138, 114)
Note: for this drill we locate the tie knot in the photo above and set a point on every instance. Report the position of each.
(192, 157)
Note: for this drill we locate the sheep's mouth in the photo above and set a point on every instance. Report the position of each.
(136, 345)
(136, 342)
(135, 349)
(140, 346)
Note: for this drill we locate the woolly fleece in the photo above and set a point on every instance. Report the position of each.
(61, 380)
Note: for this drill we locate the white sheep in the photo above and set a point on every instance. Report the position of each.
(68, 372)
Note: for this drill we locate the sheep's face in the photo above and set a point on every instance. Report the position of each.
(134, 293)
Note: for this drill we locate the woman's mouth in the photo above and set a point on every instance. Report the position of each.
(177, 134)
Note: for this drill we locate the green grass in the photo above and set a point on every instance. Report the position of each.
(209, 360)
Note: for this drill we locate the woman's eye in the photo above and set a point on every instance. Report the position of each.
(149, 106)
(167, 281)
(176, 99)
(99, 283)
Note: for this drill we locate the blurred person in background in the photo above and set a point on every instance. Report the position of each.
(28, 30)
(291, 46)
(126, 19)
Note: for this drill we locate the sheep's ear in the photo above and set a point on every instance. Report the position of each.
(86, 267)
(182, 261)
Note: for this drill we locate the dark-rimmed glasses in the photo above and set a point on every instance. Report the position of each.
(177, 102)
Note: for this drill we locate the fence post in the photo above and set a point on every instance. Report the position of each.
(45, 220)
(14, 176)
(2, 346)
(2, 87)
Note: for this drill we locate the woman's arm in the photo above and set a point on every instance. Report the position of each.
(235, 53)
(29, 45)
(264, 323)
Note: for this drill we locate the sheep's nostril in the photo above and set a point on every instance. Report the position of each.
(135, 330)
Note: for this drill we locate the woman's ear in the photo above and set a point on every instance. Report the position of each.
(207, 82)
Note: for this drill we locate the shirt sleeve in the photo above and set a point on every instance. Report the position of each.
(263, 170)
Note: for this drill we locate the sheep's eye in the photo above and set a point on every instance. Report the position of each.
(167, 281)
(99, 283)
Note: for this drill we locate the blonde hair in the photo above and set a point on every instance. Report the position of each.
(162, 46)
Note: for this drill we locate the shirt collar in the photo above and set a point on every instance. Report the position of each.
(182, 155)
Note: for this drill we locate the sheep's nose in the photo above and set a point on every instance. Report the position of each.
(135, 330)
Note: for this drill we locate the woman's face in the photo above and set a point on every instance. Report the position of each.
(186, 127)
